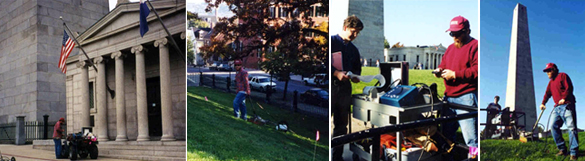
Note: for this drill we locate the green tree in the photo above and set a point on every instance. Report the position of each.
(190, 52)
(254, 24)
(386, 44)
(195, 23)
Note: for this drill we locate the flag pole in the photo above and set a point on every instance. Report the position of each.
(112, 93)
(167, 30)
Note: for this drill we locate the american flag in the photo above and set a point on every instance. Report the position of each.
(66, 48)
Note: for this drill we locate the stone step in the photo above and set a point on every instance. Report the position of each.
(153, 158)
(147, 150)
(125, 152)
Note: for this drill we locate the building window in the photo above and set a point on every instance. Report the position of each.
(417, 58)
(283, 11)
(272, 12)
(91, 102)
(308, 34)
(319, 11)
(403, 57)
(311, 12)
(391, 59)
(92, 121)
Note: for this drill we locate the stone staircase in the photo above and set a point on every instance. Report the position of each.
(144, 150)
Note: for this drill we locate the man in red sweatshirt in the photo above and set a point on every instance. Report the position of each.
(57, 135)
(458, 69)
(560, 88)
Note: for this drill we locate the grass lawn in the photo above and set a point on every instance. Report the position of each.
(515, 150)
(214, 134)
(414, 76)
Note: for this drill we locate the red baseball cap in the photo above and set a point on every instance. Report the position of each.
(62, 119)
(458, 23)
(549, 66)
(237, 62)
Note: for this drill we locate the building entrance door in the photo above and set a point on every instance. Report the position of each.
(154, 106)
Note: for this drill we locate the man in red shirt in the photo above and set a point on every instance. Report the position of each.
(560, 88)
(458, 68)
(243, 90)
(57, 135)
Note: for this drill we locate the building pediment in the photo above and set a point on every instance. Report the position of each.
(126, 17)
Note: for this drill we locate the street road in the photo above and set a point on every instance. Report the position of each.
(294, 84)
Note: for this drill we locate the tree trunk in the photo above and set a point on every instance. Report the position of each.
(285, 87)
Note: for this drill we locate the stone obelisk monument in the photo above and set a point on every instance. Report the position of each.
(520, 89)
(370, 41)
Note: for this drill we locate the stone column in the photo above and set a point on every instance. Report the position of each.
(141, 100)
(101, 102)
(120, 99)
(431, 65)
(434, 56)
(84, 90)
(165, 90)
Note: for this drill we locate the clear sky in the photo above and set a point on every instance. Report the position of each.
(556, 35)
(424, 22)
(415, 22)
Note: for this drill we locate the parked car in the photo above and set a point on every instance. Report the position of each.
(213, 66)
(317, 80)
(316, 96)
(262, 83)
(224, 67)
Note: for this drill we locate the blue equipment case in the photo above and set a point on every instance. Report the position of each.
(400, 96)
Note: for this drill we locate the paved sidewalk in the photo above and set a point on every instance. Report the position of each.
(27, 153)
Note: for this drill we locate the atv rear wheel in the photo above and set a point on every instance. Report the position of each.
(93, 152)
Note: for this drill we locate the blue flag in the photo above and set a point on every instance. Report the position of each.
(144, 11)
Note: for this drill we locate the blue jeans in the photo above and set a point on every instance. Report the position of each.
(57, 148)
(468, 126)
(565, 114)
(240, 105)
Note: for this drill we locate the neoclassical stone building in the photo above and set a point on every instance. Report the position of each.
(429, 56)
(147, 75)
(31, 32)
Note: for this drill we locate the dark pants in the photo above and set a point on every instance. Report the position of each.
(341, 102)
(57, 148)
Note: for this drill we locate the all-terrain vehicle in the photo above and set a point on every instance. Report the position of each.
(80, 145)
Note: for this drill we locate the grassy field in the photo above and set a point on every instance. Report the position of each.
(214, 134)
(515, 150)
(414, 76)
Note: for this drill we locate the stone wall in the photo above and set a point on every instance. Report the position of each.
(30, 43)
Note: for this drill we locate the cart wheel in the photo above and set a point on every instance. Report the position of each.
(12, 159)
(93, 152)
(72, 153)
